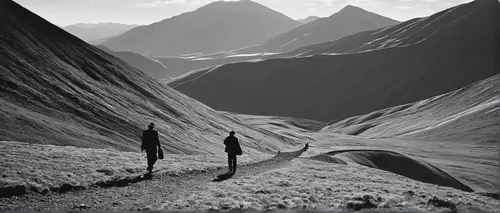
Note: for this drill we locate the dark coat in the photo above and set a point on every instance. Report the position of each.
(150, 140)
(232, 146)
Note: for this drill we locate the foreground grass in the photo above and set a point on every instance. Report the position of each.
(319, 186)
(43, 168)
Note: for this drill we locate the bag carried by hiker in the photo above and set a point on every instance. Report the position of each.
(238, 151)
(160, 153)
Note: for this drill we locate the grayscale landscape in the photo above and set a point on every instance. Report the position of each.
(352, 112)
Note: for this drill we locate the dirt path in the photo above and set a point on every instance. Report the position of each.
(150, 193)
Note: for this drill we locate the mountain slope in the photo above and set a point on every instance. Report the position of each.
(95, 32)
(468, 115)
(215, 27)
(59, 90)
(338, 86)
(346, 22)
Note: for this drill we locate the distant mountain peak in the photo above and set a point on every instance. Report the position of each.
(231, 4)
(218, 26)
(351, 9)
(349, 20)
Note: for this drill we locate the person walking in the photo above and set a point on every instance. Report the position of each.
(150, 143)
(232, 148)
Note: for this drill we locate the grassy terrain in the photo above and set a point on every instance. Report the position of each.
(315, 185)
(50, 168)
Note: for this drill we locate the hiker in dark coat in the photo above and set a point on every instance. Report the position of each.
(150, 143)
(232, 148)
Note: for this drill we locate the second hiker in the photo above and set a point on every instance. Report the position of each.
(232, 148)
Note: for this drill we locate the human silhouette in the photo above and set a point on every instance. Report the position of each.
(232, 148)
(150, 143)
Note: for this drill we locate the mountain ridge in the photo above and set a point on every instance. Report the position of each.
(347, 21)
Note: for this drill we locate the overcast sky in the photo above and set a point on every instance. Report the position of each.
(66, 12)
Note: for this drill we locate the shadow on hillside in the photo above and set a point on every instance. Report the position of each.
(223, 177)
(124, 181)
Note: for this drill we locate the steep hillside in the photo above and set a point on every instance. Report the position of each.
(455, 51)
(348, 21)
(59, 90)
(467, 115)
(216, 27)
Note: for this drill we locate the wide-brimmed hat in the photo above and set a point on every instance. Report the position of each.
(152, 125)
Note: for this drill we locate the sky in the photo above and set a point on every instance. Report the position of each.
(143, 12)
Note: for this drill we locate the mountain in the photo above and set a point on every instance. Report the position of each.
(148, 66)
(95, 33)
(347, 21)
(467, 115)
(216, 27)
(59, 90)
(436, 55)
(408, 33)
(308, 19)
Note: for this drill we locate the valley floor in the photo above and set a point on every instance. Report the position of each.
(286, 181)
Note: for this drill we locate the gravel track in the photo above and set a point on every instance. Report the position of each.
(147, 194)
